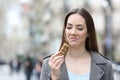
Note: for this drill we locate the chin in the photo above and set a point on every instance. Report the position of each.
(74, 44)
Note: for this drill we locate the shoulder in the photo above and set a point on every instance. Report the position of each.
(45, 65)
(99, 58)
(46, 58)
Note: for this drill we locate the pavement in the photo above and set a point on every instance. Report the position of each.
(5, 74)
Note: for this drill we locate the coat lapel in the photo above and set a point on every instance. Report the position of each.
(64, 74)
(96, 72)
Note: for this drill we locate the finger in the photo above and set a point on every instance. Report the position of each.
(57, 64)
(54, 55)
(60, 63)
(54, 60)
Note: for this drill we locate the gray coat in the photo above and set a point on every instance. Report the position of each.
(101, 69)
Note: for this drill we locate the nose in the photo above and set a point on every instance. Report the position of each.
(74, 31)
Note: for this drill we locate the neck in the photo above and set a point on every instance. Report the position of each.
(77, 52)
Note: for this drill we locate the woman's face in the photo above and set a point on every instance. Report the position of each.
(76, 30)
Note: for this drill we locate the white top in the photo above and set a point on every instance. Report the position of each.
(78, 77)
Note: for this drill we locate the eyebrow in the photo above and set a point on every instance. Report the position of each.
(69, 24)
(76, 25)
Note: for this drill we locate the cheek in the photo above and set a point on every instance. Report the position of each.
(66, 34)
(83, 34)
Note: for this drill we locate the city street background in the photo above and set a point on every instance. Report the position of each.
(31, 30)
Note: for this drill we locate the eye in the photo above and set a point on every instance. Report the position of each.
(68, 27)
(80, 28)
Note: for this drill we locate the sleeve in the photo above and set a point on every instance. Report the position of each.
(45, 72)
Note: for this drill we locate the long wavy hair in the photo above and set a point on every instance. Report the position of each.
(91, 41)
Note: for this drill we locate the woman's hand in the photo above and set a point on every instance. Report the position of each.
(55, 62)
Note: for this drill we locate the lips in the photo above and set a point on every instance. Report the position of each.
(73, 39)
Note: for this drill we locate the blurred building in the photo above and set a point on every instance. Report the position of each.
(36, 25)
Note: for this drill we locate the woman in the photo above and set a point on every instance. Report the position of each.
(82, 60)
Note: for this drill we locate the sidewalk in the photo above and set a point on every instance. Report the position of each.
(5, 74)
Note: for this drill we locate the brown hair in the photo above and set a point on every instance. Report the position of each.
(91, 41)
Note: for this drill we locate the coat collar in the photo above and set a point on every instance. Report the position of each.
(95, 73)
(64, 74)
(97, 58)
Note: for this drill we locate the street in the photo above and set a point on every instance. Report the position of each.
(5, 74)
